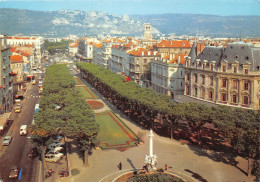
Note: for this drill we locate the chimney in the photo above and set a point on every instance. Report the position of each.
(179, 59)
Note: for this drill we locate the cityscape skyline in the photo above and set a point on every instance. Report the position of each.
(131, 7)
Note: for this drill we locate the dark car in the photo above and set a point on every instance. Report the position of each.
(33, 153)
(14, 172)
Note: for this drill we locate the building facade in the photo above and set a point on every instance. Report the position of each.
(228, 76)
(17, 67)
(6, 83)
(167, 75)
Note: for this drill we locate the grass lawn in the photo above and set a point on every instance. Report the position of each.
(86, 92)
(77, 81)
(113, 132)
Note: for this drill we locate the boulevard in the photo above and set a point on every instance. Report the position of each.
(16, 154)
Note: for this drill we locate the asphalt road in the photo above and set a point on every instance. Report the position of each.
(16, 153)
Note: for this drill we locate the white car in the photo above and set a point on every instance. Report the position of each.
(40, 82)
(54, 145)
(55, 150)
(52, 159)
(7, 140)
(52, 154)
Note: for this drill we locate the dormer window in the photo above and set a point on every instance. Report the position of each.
(211, 67)
(246, 71)
(246, 58)
(236, 57)
(224, 68)
(235, 69)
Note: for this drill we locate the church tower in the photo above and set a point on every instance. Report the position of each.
(148, 31)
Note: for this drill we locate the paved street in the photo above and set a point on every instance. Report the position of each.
(181, 158)
(16, 153)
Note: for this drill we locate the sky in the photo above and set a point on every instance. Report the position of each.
(133, 7)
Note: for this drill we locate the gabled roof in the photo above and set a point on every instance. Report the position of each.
(98, 45)
(173, 44)
(143, 52)
(74, 44)
(16, 58)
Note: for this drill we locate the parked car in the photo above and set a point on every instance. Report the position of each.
(54, 145)
(7, 140)
(40, 82)
(14, 172)
(57, 138)
(50, 154)
(34, 82)
(52, 159)
(17, 108)
(55, 150)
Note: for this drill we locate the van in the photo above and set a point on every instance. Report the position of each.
(34, 82)
(23, 129)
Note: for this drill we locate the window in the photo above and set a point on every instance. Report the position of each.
(203, 79)
(224, 68)
(203, 93)
(211, 81)
(203, 66)
(234, 98)
(181, 73)
(246, 100)
(246, 85)
(181, 84)
(195, 78)
(224, 82)
(246, 71)
(196, 91)
(210, 95)
(188, 77)
(234, 84)
(224, 97)
(235, 69)
(187, 90)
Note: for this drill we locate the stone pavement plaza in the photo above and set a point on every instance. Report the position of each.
(182, 158)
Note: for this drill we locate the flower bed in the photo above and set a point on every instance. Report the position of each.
(95, 104)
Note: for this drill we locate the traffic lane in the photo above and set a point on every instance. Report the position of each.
(19, 147)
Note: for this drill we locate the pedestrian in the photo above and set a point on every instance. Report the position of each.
(165, 167)
(119, 166)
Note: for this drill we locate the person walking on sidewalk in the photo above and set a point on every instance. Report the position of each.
(119, 166)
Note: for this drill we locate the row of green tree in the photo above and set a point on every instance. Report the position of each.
(217, 126)
(54, 46)
(62, 108)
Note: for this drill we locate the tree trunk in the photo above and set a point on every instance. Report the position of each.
(248, 167)
(171, 131)
(85, 158)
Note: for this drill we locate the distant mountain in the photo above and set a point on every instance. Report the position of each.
(210, 25)
(65, 22)
(82, 23)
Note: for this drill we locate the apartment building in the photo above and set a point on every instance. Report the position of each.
(167, 74)
(37, 42)
(167, 47)
(17, 67)
(139, 65)
(225, 75)
(6, 83)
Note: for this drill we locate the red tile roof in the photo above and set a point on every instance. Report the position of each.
(98, 45)
(74, 44)
(16, 58)
(174, 44)
(142, 52)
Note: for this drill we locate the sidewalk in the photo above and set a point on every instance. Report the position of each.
(184, 159)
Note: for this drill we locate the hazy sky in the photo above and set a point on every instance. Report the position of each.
(120, 7)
